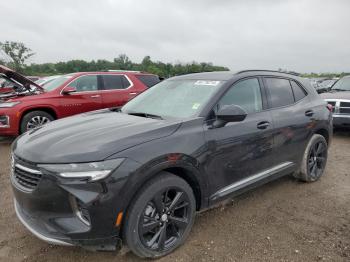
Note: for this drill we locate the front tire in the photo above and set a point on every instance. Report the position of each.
(34, 119)
(314, 159)
(161, 216)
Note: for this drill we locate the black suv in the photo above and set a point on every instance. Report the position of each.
(139, 173)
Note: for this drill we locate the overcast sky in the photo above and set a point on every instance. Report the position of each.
(292, 34)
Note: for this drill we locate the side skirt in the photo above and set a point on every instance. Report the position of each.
(253, 181)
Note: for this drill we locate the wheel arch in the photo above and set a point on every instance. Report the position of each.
(323, 132)
(46, 109)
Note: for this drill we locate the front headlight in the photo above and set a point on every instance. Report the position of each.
(92, 171)
(8, 104)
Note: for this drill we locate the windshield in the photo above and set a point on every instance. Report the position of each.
(342, 84)
(174, 98)
(51, 85)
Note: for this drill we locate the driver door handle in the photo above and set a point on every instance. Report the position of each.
(95, 96)
(263, 125)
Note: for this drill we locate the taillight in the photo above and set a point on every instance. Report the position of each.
(330, 107)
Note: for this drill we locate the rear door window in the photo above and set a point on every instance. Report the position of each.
(299, 92)
(280, 92)
(111, 82)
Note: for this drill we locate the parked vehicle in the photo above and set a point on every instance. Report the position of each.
(139, 174)
(65, 96)
(339, 97)
(325, 85)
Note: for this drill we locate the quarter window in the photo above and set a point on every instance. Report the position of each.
(280, 91)
(85, 83)
(245, 94)
(299, 92)
(111, 82)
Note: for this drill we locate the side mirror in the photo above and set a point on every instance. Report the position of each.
(68, 90)
(230, 113)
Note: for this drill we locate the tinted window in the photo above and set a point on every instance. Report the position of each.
(245, 94)
(85, 83)
(299, 92)
(115, 82)
(280, 92)
(148, 80)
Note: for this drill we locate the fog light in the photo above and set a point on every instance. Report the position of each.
(4, 121)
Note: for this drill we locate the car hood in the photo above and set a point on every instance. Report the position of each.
(25, 82)
(336, 95)
(89, 137)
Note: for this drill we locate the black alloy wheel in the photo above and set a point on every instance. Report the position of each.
(161, 217)
(317, 159)
(164, 219)
(314, 159)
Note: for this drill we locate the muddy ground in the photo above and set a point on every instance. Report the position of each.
(282, 221)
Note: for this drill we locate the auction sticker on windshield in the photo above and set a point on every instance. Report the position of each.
(206, 83)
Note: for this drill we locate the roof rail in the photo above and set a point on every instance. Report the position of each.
(274, 71)
(119, 70)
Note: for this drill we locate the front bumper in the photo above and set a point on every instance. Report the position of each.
(47, 211)
(30, 225)
(341, 120)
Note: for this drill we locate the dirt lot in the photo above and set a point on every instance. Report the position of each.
(283, 221)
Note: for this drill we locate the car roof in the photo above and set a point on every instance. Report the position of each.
(227, 75)
(116, 72)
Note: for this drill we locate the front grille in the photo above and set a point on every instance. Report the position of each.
(344, 110)
(344, 104)
(26, 178)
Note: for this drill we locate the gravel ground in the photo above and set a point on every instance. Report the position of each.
(282, 221)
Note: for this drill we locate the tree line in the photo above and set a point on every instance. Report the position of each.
(19, 54)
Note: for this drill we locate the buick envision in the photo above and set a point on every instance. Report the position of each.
(139, 174)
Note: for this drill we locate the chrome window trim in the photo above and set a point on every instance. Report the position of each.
(131, 84)
(8, 122)
(250, 180)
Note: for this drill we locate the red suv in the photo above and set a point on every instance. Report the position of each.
(33, 105)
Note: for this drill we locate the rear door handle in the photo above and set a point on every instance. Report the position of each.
(133, 93)
(263, 125)
(309, 113)
(95, 96)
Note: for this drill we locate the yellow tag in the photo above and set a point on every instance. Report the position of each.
(196, 106)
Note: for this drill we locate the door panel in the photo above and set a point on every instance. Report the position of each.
(117, 90)
(240, 149)
(289, 110)
(87, 98)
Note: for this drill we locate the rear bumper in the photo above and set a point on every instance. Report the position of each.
(341, 120)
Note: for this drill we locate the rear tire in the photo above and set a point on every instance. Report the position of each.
(314, 159)
(161, 216)
(34, 119)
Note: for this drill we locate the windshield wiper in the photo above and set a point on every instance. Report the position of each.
(145, 115)
(339, 89)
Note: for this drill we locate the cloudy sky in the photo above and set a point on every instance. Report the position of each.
(301, 35)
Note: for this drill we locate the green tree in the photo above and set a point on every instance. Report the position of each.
(18, 53)
(123, 62)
